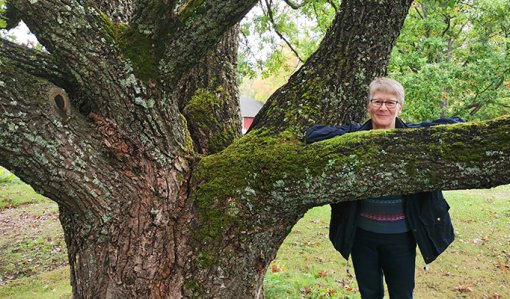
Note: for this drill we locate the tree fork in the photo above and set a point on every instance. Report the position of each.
(331, 87)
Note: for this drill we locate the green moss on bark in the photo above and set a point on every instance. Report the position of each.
(136, 46)
(190, 9)
(264, 173)
(203, 111)
(243, 178)
(200, 109)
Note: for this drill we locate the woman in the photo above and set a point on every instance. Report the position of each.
(381, 233)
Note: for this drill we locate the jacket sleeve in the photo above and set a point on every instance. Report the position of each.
(322, 132)
(441, 121)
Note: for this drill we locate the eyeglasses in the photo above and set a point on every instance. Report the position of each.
(389, 104)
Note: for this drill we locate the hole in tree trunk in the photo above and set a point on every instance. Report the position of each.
(61, 104)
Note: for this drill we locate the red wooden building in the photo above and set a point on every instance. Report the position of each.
(249, 108)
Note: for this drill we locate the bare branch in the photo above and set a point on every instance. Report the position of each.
(294, 5)
(424, 10)
(332, 3)
(447, 20)
(280, 35)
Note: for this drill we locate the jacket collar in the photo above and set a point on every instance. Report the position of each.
(398, 124)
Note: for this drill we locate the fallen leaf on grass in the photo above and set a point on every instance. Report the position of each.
(322, 273)
(464, 288)
(331, 292)
(503, 266)
(481, 241)
(307, 290)
(275, 268)
(345, 284)
(309, 243)
(319, 259)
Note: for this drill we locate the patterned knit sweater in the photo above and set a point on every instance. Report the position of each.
(384, 215)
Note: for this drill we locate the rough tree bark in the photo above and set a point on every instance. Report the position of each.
(130, 122)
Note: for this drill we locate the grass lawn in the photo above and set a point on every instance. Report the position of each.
(477, 265)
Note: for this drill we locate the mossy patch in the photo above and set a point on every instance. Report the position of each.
(200, 107)
(136, 46)
(191, 9)
(202, 111)
(248, 175)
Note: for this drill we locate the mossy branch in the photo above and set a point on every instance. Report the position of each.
(270, 174)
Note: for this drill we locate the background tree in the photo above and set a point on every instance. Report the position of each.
(130, 122)
(452, 56)
(453, 59)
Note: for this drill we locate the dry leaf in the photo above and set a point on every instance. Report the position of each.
(464, 288)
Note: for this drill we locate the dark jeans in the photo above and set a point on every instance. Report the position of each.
(392, 254)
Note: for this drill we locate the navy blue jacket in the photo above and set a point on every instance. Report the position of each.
(426, 212)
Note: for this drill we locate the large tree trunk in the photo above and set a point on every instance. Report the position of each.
(134, 130)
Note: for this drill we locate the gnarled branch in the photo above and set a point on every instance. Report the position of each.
(80, 38)
(89, 44)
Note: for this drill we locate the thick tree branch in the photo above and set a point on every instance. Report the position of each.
(42, 136)
(199, 28)
(262, 172)
(34, 62)
(89, 44)
(331, 87)
(209, 98)
(119, 11)
(78, 36)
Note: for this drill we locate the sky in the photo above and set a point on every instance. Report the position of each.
(21, 34)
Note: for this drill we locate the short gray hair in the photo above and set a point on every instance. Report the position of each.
(387, 85)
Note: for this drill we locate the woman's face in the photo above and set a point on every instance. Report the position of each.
(383, 117)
